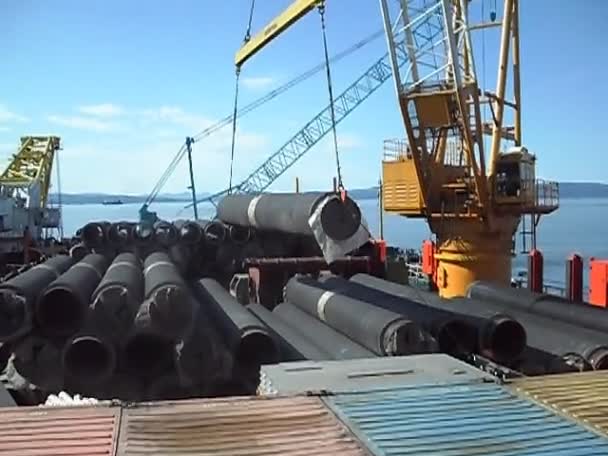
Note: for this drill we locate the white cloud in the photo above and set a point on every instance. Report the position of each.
(102, 110)
(4, 128)
(258, 82)
(177, 116)
(349, 141)
(8, 116)
(82, 123)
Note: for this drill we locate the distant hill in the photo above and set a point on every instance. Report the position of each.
(99, 198)
(568, 190)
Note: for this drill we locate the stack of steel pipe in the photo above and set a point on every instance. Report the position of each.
(19, 295)
(454, 335)
(91, 355)
(99, 327)
(566, 331)
(247, 338)
(500, 337)
(382, 331)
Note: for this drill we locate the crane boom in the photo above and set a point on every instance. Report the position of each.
(278, 25)
(301, 142)
(30, 167)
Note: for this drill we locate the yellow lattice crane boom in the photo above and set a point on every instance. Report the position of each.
(465, 172)
(29, 173)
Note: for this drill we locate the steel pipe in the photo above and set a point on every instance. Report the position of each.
(19, 294)
(90, 356)
(294, 345)
(454, 335)
(190, 233)
(576, 313)
(246, 336)
(171, 307)
(382, 331)
(500, 336)
(121, 233)
(148, 350)
(94, 234)
(202, 357)
(165, 233)
(79, 251)
(290, 213)
(62, 307)
(555, 337)
(214, 231)
(336, 344)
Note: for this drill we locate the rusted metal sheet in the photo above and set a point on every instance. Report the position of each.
(246, 426)
(583, 396)
(66, 431)
(461, 419)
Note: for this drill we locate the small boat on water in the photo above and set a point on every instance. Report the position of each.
(111, 202)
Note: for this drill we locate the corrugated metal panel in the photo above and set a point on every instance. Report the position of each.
(462, 420)
(583, 396)
(366, 374)
(247, 426)
(46, 431)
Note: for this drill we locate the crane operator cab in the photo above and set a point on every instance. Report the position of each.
(515, 177)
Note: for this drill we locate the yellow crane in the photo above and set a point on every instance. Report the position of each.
(473, 201)
(25, 186)
(30, 169)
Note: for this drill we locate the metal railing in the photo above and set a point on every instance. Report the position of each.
(547, 193)
(396, 150)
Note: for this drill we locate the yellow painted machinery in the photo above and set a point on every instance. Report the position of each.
(470, 178)
(25, 186)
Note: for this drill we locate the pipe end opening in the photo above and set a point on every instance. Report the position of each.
(89, 358)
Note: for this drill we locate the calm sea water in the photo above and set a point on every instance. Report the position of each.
(578, 226)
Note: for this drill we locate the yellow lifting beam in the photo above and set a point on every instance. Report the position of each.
(32, 163)
(278, 25)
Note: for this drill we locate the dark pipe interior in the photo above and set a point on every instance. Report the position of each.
(89, 358)
(93, 234)
(190, 233)
(148, 353)
(240, 234)
(215, 233)
(12, 312)
(601, 363)
(60, 312)
(457, 337)
(507, 340)
(256, 349)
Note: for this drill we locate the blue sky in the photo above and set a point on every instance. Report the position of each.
(123, 82)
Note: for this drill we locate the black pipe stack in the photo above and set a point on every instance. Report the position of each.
(18, 295)
(62, 307)
(91, 354)
(247, 337)
(337, 345)
(382, 331)
(564, 340)
(454, 335)
(500, 336)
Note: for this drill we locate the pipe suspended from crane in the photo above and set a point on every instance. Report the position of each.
(339, 219)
